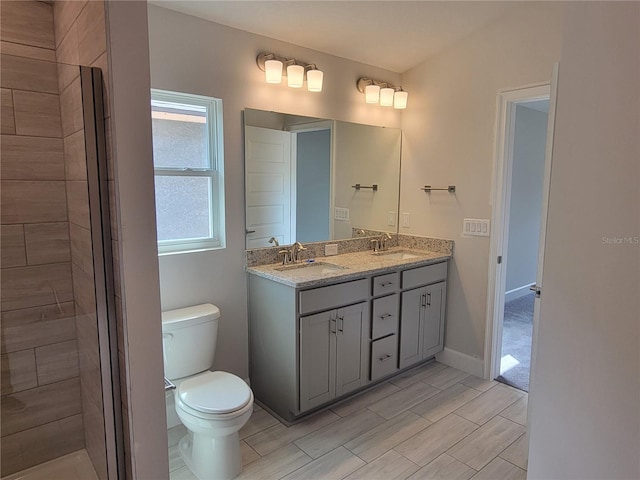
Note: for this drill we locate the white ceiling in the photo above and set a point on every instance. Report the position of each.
(395, 35)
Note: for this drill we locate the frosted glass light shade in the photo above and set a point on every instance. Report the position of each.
(400, 99)
(295, 76)
(386, 97)
(371, 93)
(273, 71)
(314, 80)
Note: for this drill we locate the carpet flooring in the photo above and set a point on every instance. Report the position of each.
(517, 330)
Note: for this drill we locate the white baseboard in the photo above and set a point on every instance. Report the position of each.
(461, 361)
(517, 292)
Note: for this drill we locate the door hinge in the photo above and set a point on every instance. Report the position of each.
(536, 289)
(499, 259)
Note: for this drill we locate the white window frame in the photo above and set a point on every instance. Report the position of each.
(215, 172)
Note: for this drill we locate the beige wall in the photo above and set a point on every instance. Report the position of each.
(187, 55)
(585, 389)
(448, 140)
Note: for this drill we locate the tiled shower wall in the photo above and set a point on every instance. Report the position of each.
(41, 400)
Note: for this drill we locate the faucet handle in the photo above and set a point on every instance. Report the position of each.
(275, 242)
(376, 244)
(286, 256)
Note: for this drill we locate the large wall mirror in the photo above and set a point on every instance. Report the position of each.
(314, 179)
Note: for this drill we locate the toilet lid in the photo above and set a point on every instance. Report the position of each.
(215, 392)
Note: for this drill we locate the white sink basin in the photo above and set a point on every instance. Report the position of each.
(311, 269)
(397, 255)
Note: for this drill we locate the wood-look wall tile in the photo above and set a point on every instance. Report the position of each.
(87, 332)
(90, 378)
(94, 435)
(75, 157)
(102, 62)
(7, 122)
(42, 443)
(47, 243)
(57, 362)
(113, 209)
(20, 50)
(78, 203)
(32, 286)
(37, 406)
(33, 327)
(81, 248)
(66, 56)
(37, 114)
(18, 371)
(12, 251)
(22, 73)
(83, 291)
(32, 158)
(71, 108)
(33, 201)
(117, 281)
(28, 23)
(65, 13)
(92, 37)
(11, 455)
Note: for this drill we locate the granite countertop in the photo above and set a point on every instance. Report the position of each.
(348, 266)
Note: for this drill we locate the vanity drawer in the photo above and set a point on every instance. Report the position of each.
(332, 296)
(383, 284)
(424, 275)
(385, 316)
(384, 357)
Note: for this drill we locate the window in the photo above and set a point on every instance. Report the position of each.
(188, 160)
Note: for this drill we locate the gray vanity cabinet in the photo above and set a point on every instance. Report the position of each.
(333, 354)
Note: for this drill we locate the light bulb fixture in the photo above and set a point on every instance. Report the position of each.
(296, 71)
(381, 92)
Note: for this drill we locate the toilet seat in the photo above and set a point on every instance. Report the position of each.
(215, 393)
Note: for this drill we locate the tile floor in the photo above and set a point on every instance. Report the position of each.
(433, 422)
(74, 466)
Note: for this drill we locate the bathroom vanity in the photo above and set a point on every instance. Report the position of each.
(321, 331)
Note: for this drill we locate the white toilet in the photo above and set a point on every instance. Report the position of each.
(212, 405)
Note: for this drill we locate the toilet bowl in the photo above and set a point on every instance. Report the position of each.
(212, 405)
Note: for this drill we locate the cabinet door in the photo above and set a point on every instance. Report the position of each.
(317, 359)
(411, 327)
(352, 334)
(433, 331)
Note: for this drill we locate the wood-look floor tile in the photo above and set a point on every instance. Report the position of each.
(33, 201)
(29, 23)
(30, 74)
(182, 473)
(18, 371)
(175, 460)
(500, 469)
(403, 400)
(445, 402)
(47, 243)
(390, 466)
(417, 374)
(338, 433)
(278, 435)
(483, 445)
(13, 251)
(37, 114)
(247, 453)
(260, 420)
(479, 383)
(518, 452)
(444, 467)
(32, 158)
(7, 122)
(489, 404)
(335, 465)
(517, 412)
(175, 434)
(435, 440)
(446, 378)
(275, 465)
(387, 435)
(365, 399)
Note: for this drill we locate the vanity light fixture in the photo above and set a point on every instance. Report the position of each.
(275, 67)
(384, 93)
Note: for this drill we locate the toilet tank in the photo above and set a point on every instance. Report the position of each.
(189, 340)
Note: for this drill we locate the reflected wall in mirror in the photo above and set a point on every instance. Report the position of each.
(300, 174)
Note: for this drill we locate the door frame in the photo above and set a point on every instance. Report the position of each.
(507, 101)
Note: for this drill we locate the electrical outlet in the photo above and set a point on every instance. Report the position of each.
(476, 227)
(392, 219)
(406, 220)
(331, 249)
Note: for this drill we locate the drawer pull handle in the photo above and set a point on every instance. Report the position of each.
(386, 357)
(386, 284)
(385, 316)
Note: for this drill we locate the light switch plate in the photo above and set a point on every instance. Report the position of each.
(476, 227)
(392, 219)
(331, 249)
(406, 220)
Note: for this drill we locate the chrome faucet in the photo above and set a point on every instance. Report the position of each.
(382, 241)
(296, 248)
(275, 242)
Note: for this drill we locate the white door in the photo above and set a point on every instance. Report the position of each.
(267, 186)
